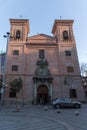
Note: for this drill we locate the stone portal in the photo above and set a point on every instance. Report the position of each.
(42, 81)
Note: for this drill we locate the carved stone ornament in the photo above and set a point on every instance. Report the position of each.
(42, 70)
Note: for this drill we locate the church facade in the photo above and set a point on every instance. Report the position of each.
(47, 65)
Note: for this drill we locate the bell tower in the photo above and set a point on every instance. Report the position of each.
(19, 29)
(69, 70)
(63, 31)
(67, 51)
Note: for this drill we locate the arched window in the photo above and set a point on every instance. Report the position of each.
(65, 35)
(18, 34)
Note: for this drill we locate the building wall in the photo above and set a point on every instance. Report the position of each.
(54, 47)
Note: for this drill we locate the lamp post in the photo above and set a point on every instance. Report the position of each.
(1, 92)
(7, 36)
(4, 70)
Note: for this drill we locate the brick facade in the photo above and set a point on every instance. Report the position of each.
(57, 73)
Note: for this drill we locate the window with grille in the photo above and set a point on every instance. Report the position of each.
(14, 67)
(73, 93)
(12, 94)
(86, 93)
(67, 53)
(16, 52)
(0, 96)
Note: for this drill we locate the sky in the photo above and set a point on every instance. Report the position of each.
(41, 15)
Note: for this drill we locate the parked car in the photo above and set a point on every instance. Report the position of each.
(65, 103)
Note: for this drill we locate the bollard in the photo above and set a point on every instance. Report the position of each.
(58, 111)
(76, 113)
(45, 108)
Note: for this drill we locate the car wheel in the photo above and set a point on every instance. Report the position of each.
(77, 106)
(57, 106)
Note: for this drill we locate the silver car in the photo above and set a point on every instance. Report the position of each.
(65, 103)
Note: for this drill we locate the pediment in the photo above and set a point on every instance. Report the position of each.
(41, 37)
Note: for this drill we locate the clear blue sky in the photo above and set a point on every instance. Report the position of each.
(42, 13)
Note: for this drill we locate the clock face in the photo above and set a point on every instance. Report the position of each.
(65, 35)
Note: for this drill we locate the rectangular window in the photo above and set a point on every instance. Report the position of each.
(73, 93)
(67, 53)
(41, 54)
(0, 96)
(1, 78)
(14, 67)
(86, 93)
(12, 94)
(16, 52)
(70, 69)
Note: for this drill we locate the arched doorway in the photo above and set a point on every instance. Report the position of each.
(42, 94)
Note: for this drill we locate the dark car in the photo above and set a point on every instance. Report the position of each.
(65, 103)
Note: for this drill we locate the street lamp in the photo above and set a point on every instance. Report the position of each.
(7, 36)
(4, 70)
(2, 92)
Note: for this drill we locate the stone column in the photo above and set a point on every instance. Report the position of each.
(50, 91)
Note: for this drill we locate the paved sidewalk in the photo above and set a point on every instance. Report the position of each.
(36, 118)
